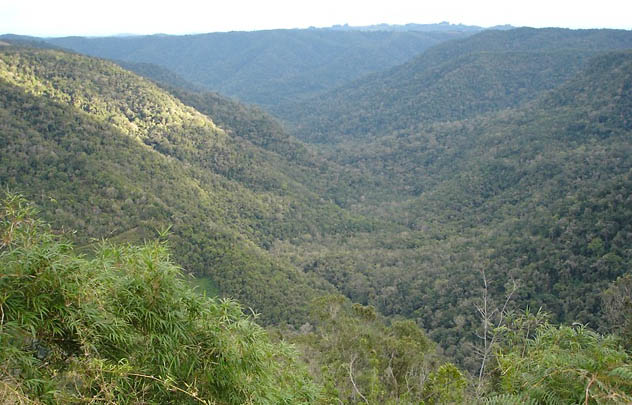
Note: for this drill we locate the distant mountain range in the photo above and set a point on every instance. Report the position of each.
(270, 67)
(455, 80)
(267, 67)
(442, 26)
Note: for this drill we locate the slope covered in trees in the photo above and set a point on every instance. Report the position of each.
(109, 154)
(267, 67)
(325, 177)
(499, 166)
(538, 194)
(122, 326)
(452, 81)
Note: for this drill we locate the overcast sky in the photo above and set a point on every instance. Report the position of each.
(84, 17)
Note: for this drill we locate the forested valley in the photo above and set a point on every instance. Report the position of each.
(407, 216)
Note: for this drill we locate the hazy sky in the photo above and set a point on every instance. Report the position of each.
(85, 17)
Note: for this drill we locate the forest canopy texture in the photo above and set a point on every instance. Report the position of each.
(454, 227)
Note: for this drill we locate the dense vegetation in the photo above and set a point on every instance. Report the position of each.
(267, 67)
(540, 363)
(108, 154)
(442, 199)
(452, 81)
(538, 194)
(358, 357)
(122, 326)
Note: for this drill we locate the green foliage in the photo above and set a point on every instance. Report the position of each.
(562, 365)
(456, 80)
(508, 151)
(124, 327)
(537, 194)
(109, 154)
(266, 67)
(359, 358)
(618, 308)
(509, 399)
(446, 385)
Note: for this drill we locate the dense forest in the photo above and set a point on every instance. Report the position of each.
(453, 229)
(453, 81)
(114, 156)
(268, 67)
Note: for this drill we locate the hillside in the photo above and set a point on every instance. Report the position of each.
(502, 157)
(537, 194)
(456, 80)
(108, 154)
(266, 67)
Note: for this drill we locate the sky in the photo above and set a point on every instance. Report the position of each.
(111, 17)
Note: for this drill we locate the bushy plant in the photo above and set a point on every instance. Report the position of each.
(561, 365)
(123, 326)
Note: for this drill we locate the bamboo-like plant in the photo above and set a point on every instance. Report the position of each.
(124, 327)
(561, 365)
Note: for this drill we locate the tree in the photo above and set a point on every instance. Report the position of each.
(360, 358)
(617, 301)
(492, 319)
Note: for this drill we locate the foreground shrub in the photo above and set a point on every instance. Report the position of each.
(123, 326)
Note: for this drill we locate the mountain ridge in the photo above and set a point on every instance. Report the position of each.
(265, 67)
(425, 88)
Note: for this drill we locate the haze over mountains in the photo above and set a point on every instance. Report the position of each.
(460, 79)
(268, 67)
(401, 170)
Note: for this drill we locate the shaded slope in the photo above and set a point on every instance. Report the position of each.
(158, 74)
(546, 188)
(455, 80)
(538, 194)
